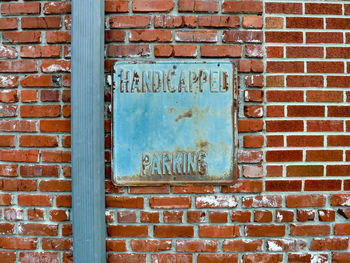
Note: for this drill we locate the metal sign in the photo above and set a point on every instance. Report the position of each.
(174, 122)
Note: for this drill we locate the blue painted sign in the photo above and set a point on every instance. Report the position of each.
(174, 123)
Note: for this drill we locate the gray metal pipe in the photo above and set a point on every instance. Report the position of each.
(88, 167)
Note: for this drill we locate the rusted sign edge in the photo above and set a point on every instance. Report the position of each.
(234, 110)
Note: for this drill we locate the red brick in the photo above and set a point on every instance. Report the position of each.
(175, 50)
(254, 81)
(40, 52)
(252, 22)
(241, 216)
(128, 50)
(38, 229)
(305, 200)
(219, 21)
(41, 22)
(211, 6)
(7, 140)
(284, 156)
(172, 216)
(338, 23)
(304, 81)
(242, 7)
(216, 201)
(152, 5)
(19, 155)
(124, 202)
(325, 125)
(325, 9)
(342, 229)
(252, 171)
(53, 37)
(242, 245)
(275, 52)
(57, 244)
(63, 7)
(304, 170)
(282, 186)
(261, 201)
(114, 36)
(309, 230)
(196, 36)
(21, 37)
(304, 215)
(213, 231)
(338, 52)
(171, 258)
(242, 36)
(149, 217)
(324, 155)
(173, 231)
(8, 111)
(283, 8)
(338, 81)
(196, 246)
(304, 22)
(262, 216)
(274, 141)
(275, 111)
(116, 245)
(243, 187)
(340, 257)
(221, 51)
(20, 8)
(264, 230)
(150, 35)
(55, 125)
(324, 37)
(55, 185)
(195, 216)
(18, 185)
(18, 66)
(8, 23)
(127, 231)
(285, 244)
(217, 217)
(325, 67)
(8, 81)
(52, 66)
(250, 125)
(130, 21)
(283, 37)
(284, 96)
(338, 170)
(324, 96)
(284, 216)
(253, 141)
(285, 66)
(56, 156)
(193, 189)
(326, 215)
(150, 245)
(119, 6)
(149, 189)
(217, 258)
(322, 185)
(301, 258)
(170, 202)
(8, 52)
(171, 21)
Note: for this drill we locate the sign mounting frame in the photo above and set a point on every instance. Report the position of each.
(207, 92)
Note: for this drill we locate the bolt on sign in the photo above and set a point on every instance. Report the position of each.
(174, 122)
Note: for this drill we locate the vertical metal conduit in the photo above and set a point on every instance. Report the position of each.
(89, 227)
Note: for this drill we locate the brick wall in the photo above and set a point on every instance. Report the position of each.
(291, 201)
